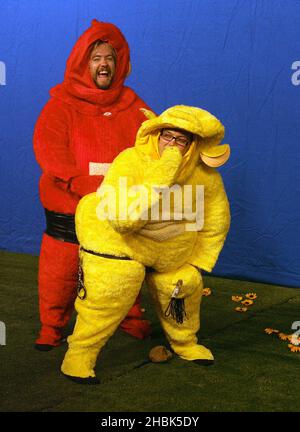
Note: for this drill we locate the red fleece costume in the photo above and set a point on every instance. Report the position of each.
(80, 130)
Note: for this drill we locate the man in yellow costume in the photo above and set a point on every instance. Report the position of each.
(162, 215)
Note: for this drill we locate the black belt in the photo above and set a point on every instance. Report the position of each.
(61, 226)
(148, 269)
(105, 255)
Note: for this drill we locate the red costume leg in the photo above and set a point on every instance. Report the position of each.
(134, 324)
(58, 273)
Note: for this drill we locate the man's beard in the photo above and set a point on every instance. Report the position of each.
(107, 81)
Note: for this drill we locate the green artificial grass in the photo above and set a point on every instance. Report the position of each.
(253, 371)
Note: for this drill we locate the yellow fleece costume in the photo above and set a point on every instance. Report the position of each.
(125, 229)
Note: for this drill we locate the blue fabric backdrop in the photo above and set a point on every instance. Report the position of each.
(238, 59)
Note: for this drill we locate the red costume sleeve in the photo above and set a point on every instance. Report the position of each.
(51, 142)
(86, 184)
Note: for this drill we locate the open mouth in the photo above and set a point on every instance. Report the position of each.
(103, 78)
(103, 74)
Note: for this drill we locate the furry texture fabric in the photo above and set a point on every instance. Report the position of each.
(111, 288)
(82, 124)
(182, 337)
(173, 259)
(141, 165)
(79, 128)
(56, 305)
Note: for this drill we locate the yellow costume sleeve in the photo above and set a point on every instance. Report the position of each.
(133, 183)
(211, 238)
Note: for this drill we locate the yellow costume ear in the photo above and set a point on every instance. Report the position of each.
(215, 156)
(149, 114)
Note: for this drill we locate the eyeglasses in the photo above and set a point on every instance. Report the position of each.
(180, 140)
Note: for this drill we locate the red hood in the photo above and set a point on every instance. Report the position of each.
(78, 87)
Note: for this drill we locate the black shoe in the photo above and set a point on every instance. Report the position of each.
(79, 380)
(48, 347)
(203, 362)
(43, 347)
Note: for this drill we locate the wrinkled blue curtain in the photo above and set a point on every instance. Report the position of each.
(239, 59)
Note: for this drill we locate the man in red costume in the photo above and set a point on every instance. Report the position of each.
(90, 118)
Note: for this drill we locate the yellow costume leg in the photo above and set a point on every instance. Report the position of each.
(112, 286)
(182, 337)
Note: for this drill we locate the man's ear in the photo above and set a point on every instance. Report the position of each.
(129, 69)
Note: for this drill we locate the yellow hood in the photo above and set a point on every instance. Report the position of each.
(207, 129)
